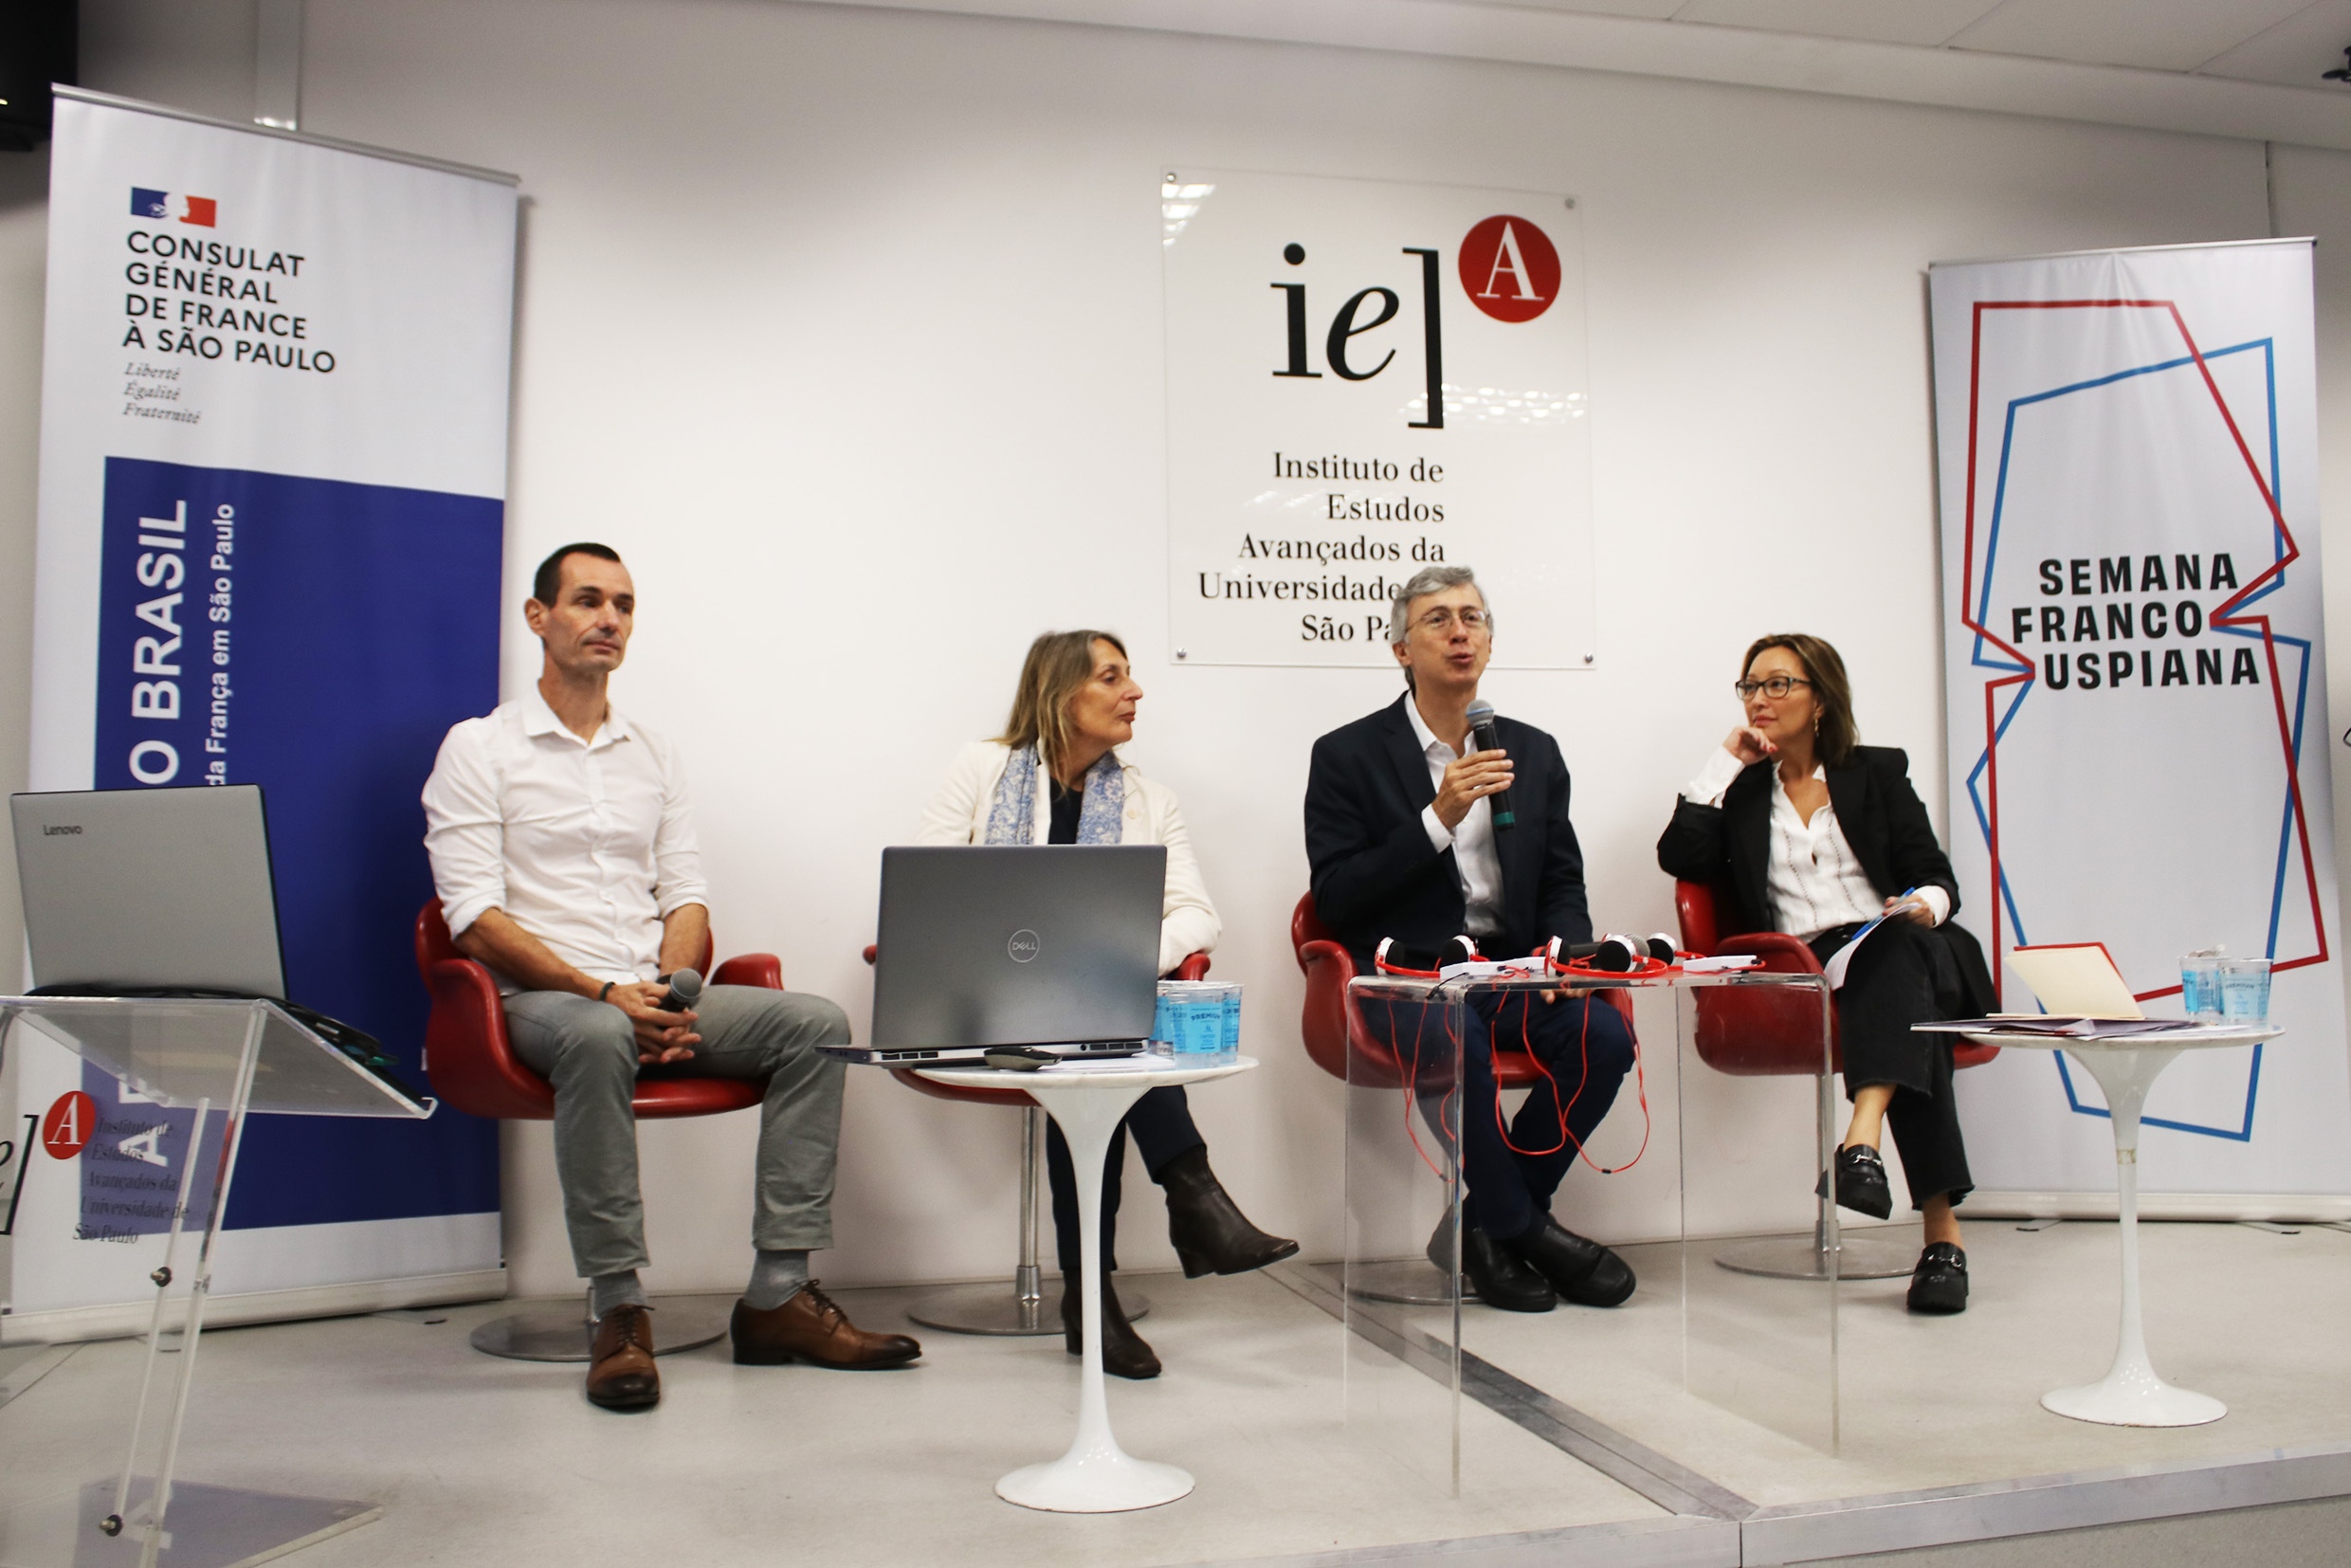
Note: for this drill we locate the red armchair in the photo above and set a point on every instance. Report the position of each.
(1775, 1032)
(473, 1067)
(1751, 1033)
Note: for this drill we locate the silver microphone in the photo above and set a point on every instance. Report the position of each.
(685, 989)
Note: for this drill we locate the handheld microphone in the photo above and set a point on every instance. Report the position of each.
(1395, 958)
(1483, 737)
(685, 989)
(1615, 955)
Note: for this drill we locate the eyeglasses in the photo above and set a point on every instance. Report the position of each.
(1441, 621)
(1777, 685)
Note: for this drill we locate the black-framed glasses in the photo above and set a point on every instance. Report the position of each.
(1776, 686)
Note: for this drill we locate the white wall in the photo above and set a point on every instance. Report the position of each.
(843, 327)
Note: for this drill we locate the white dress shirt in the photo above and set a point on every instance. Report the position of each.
(587, 845)
(1476, 862)
(1817, 884)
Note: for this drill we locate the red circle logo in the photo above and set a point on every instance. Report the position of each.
(66, 1130)
(1509, 268)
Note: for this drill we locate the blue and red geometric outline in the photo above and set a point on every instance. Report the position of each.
(2226, 619)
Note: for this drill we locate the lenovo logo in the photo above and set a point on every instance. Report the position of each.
(51, 832)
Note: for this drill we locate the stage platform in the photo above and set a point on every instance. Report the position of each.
(1574, 1450)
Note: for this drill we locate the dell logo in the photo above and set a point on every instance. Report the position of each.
(1023, 946)
(48, 831)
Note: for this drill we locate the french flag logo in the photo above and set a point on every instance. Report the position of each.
(163, 206)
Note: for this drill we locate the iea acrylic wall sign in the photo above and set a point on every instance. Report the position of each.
(1365, 379)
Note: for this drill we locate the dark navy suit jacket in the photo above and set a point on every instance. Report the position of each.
(1373, 874)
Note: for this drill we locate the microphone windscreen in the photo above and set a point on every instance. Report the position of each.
(685, 989)
(1421, 960)
(1479, 712)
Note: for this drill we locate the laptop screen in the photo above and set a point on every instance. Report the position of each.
(1003, 945)
(138, 888)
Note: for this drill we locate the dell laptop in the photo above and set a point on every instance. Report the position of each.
(1049, 945)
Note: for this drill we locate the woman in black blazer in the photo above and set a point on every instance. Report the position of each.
(1815, 834)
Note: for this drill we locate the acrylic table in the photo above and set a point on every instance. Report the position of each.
(225, 1058)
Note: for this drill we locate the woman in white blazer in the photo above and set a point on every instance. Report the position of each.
(1054, 776)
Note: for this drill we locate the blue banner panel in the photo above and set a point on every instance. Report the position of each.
(317, 638)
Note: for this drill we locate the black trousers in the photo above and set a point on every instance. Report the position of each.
(1588, 1049)
(1161, 1122)
(1905, 974)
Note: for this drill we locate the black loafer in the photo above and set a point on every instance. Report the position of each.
(1502, 1280)
(1938, 1284)
(1440, 1253)
(1861, 1183)
(1579, 1269)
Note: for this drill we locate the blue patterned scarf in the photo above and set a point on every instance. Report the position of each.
(1012, 815)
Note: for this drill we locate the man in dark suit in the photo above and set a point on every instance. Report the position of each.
(1402, 844)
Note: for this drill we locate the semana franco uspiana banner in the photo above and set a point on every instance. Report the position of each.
(2138, 695)
(1365, 379)
(273, 468)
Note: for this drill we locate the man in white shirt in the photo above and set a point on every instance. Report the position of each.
(562, 846)
(1402, 843)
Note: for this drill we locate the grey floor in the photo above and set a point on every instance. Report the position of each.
(2259, 1320)
(480, 1461)
(483, 1461)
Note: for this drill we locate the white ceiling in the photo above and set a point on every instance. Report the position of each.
(2245, 69)
(2287, 43)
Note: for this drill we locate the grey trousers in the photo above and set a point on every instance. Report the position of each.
(587, 1050)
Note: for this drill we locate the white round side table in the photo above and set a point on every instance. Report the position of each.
(2131, 1394)
(1096, 1476)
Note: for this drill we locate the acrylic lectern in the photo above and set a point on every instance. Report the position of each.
(224, 1058)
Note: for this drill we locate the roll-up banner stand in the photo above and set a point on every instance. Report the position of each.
(273, 471)
(2137, 718)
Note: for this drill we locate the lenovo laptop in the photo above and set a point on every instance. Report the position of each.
(140, 891)
(161, 893)
(1055, 946)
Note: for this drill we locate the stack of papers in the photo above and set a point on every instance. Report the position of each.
(1487, 969)
(2072, 1027)
(1721, 964)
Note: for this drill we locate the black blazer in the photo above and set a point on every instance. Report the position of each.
(1373, 874)
(1879, 813)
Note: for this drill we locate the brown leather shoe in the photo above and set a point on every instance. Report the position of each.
(621, 1374)
(810, 1328)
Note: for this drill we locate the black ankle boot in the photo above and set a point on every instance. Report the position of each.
(1210, 1233)
(1124, 1354)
